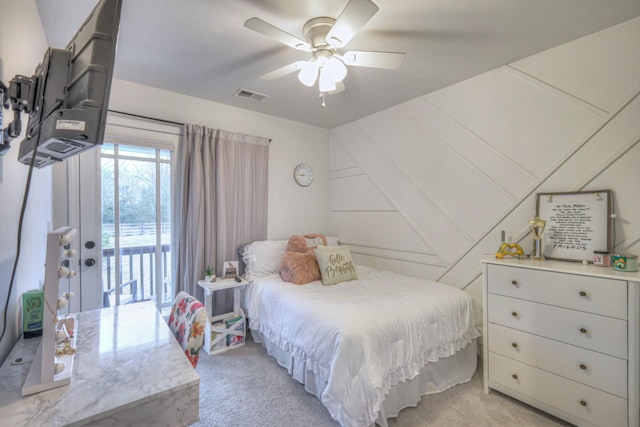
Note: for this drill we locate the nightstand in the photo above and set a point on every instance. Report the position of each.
(228, 330)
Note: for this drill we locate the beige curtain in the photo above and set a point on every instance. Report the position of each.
(241, 187)
(221, 203)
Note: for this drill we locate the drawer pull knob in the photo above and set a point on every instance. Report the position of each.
(583, 366)
(514, 376)
(514, 345)
(583, 294)
(514, 282)
(514, 313)
(583, 402)
(583, 330)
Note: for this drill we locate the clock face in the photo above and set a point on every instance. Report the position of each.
(303, 174)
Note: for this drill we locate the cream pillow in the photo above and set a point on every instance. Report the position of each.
(336, 264)
(263, 258)
(332, 240)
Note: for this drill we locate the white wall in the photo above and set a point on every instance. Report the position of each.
(292, 209)
(425, 187)
(22, 46)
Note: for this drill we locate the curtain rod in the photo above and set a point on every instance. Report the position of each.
(139, 116)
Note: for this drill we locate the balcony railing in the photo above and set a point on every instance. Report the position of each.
(137, 279)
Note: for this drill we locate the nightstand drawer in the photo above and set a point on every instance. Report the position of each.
(591, 294)
(606, 373)
(599, 333)
(578, 400)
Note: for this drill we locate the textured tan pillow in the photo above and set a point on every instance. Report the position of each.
(336, 264)
(299, 267)
(299, 263)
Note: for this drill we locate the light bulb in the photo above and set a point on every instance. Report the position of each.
(327, 82)
(338, 69)
(309, 73)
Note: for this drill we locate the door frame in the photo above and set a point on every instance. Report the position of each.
(77, 197)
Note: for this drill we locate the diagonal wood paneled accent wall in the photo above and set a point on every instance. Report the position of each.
(426, 187)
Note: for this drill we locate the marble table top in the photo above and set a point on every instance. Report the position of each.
(126, 358)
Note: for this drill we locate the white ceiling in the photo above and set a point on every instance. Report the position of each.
(202, 49)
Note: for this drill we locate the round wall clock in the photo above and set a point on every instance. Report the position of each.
(303, 174)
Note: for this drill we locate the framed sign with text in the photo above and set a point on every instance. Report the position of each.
(578, 223)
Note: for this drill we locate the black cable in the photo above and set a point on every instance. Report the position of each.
(25, 198)
(19, 241)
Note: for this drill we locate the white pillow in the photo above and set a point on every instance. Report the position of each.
(332, 240)
(263, 258)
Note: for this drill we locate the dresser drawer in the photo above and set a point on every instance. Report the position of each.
(600, 333)
(586, 403)
(585, 293)
(606, 373)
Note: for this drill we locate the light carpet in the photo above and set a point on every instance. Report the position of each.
(244, 387)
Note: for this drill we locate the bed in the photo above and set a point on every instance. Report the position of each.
(367, 348)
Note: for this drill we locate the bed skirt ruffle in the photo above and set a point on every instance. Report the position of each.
(434, 377)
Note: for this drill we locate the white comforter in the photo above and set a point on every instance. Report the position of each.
(363, 336)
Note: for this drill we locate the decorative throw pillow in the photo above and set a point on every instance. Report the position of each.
(299, 265)
(263, 258)
(336, 264)
(332, 240)
(306, 243)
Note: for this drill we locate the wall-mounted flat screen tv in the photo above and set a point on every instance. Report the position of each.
(72, 88)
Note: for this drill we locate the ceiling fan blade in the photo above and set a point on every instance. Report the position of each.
(388, 60)
(354, 16)
(266, 29)
(282, 71)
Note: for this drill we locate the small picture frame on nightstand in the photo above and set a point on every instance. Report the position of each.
(230, 269)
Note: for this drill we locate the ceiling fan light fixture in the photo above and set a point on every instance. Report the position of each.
(309, 73)
(326, 82)
(337, 68)
(323, 36)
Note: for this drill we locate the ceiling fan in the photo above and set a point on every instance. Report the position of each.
(323, 36)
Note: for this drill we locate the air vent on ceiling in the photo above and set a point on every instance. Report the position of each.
(248, 94)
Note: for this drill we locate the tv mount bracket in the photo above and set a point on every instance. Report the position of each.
(20, 96)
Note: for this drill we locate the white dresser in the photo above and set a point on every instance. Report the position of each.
(564, 337)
